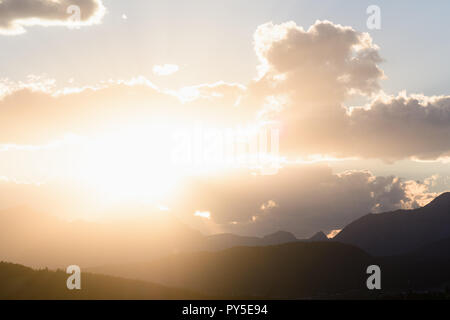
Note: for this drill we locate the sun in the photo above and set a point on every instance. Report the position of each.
(130, 164)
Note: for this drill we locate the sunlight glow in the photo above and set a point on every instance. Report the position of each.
(203, 214)
(128, 165)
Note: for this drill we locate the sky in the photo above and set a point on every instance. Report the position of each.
(89, 106)
(160, 31)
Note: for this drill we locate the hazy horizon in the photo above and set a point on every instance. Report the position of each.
(243, 118)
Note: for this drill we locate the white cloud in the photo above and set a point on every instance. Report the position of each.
(203, 214)
(326, 58)
(17, 15)
(315, 72)
(37, 104)
(266, 206)
(402, 126)
(308, 77)
(165, 70)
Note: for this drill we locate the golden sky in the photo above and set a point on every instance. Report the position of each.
(282, 122)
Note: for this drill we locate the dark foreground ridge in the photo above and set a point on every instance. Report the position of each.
(20, 282)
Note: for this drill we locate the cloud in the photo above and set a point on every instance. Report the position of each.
(203, 214)
(310, 76)
(333, 233)
(306, 80)
(31, 115)
(300, 199)
(165, 69)
(268, 205)
(389, 128)
(16, 15)
(402, 126)
(326, 58)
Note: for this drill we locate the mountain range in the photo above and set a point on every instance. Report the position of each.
(412, 248)
(298, 270)
(40, 240)
(401, 231)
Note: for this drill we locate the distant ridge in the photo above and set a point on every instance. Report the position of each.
(279, 237)
(150, 237)
(319, 236)
(440, 202)
(400, 231)
(47, 284)
(229, 240)
(292, 270)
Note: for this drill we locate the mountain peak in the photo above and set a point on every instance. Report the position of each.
(319, 236)
(399, 232)
(279, 237)
(441, 201)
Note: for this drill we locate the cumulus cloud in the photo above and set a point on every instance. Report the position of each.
(16, 15)
(403, 126)
(313, 73)
(389, 128)
(327, 58)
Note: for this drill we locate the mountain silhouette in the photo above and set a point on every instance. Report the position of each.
(229, 240)
(439, 250)
(316, 268)
(292, 270)
(279, 237)
(225, 265)
(20, 282)
(35, 239)
(261, 268)
(400, 231)
(319, 236)
(23, 240)
(297, 270)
